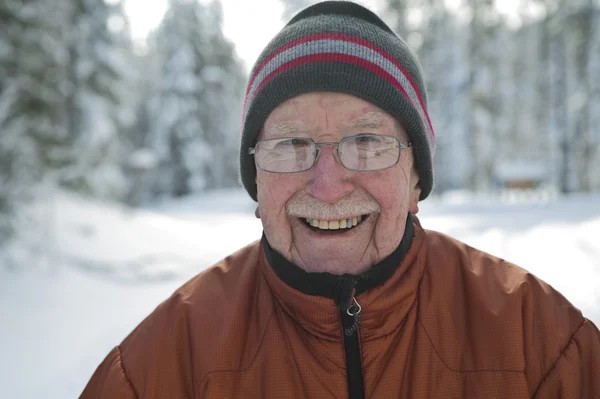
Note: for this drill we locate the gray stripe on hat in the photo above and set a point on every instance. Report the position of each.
(348, 48)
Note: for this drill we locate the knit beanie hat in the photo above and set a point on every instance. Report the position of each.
(339, 46)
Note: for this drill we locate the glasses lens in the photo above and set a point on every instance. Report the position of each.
(285, 155)
(369, 152)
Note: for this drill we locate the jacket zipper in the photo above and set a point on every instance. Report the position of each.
(350, 319)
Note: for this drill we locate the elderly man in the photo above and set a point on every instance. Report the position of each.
(346, 295)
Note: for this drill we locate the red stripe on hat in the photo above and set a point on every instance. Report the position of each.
(336, 57)
(353, 39)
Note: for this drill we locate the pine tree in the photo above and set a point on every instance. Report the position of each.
(57, 99)
(225, 80)
(63, 74)
(198, 102)
(12, 25)
(94, 69)
(32, 99)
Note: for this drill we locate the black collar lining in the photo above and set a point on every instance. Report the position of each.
(339, 288)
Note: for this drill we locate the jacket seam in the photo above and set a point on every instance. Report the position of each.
(397, 328)
(241, 370)
(571, 339)
(122, 366)
(306, 330)
(463, 371)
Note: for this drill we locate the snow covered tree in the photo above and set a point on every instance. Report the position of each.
(500, 92)
(583, 35)
(197, 107)
(483, 110)
(58, 116)
(94, 69)
(58, 80)
(140, 158)
(570, 35)
(32, 83)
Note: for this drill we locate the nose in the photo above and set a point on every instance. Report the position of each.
(330, 181)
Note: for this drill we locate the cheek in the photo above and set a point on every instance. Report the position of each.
(274, 190)
(389, 198)
(390, 191)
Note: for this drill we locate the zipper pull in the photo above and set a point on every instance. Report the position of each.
(353, 311)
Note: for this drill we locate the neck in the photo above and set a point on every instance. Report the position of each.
(340, 288)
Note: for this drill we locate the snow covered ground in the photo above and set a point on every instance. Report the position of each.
(81, 283)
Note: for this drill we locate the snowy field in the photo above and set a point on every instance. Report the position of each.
(81, 283)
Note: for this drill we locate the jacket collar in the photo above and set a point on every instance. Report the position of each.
(385, 292)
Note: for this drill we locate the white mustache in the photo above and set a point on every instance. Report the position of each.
(307, 206)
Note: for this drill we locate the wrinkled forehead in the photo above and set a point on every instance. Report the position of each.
(307, 116)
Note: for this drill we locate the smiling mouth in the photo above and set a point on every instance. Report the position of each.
(334, 225)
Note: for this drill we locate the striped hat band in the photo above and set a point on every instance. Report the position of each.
(338, 47)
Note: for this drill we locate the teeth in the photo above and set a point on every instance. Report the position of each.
(335, 224)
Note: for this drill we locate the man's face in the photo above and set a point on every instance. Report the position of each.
(331, 192)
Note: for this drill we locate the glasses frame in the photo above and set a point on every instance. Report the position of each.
(336, 144)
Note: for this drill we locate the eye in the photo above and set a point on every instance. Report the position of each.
(367, 139)
(293, 143)
(368, 142)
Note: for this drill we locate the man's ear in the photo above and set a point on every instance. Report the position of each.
(415, 192)
(257, 213)
(414, 200)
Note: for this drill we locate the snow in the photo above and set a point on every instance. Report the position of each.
(521, 169)
(75, 290)
(143, 159)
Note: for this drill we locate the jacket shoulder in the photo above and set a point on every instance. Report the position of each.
(484, 313)
(211, 323)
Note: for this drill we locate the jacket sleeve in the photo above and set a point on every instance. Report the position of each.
(576, 373)
(109, 380)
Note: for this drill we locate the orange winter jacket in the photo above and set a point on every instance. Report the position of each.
(437, 319)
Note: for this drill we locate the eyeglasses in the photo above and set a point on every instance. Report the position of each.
(364, 152)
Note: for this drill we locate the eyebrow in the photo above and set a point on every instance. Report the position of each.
(371, 120)
(287, 128)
